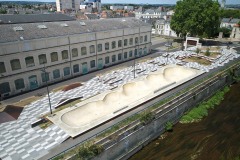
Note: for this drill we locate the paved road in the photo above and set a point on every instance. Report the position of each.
(72, 142)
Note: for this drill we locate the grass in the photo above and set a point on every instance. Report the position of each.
(46, 124)
(198, 60)
(201, 111)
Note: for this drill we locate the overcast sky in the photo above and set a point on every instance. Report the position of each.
(135, 1)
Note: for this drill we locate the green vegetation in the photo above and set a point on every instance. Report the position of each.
(207, 52)
(198, 60)
(146, 117)
(89, 151)
(3, 11)
(197, 113)
(197, 18)
(228, 13)
(169, 126)
(198, 50)
(226, 31)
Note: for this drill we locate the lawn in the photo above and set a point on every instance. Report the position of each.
(199, 60)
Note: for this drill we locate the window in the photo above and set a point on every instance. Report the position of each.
(75, 68)
(83, 51)
(2, 67)
(141, 39)
(106, 60)
(113, 44)
(136, 40)
(135, 52)
(99, 47)
(120, 43)
(74, 52)
(140, 51)
(130, 53)
(131, 41)
(19, 84)
(66, 71)
(29, 61)
(145, 38)
(92, 64)
(42, 58)
(4, 88)
(56, 73)
(65, 54)
(54, 56)
(15, 64)
(45, 76)
(92, 49)
(125, 55)
(125, 42)
(119, 56)
(113, 58)
(145, 50)
(107, 46)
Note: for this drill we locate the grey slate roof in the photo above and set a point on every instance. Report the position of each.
(55, 29)
(149, 11)
(229, 20)
(92, 16)
(33, 18)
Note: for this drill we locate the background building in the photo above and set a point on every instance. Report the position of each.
(67, 49)
(236, 32)
(68, 5)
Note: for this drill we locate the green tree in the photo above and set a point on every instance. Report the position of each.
(226, 31)
(198, 18)
(3, 11)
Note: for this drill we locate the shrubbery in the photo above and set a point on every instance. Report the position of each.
(89, 151)
(196, 114)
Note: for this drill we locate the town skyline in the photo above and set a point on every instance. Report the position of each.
(132, 2)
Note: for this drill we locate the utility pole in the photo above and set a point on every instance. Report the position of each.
(45, 74)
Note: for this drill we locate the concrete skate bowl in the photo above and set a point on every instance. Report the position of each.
(10, 113)
(127, 94)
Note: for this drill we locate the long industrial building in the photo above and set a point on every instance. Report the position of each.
(66, 49)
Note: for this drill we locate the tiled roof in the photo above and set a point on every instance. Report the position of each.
(56, 29)
(33, 18)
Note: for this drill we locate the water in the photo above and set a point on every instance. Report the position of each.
(216, 137)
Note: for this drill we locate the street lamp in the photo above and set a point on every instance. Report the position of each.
(168, 44)
(45, 74)
(134, 64)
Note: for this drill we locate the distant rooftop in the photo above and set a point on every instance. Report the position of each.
(33, 18)
(30, 31)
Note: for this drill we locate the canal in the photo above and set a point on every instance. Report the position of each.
(216, 137)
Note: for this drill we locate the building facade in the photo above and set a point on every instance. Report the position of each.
(68, 4)
(235, 32)
(229, 22)
(150, 13)
(162, 27)
(66, 49)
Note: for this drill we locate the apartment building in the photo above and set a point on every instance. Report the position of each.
(68, 4)
(66, 49)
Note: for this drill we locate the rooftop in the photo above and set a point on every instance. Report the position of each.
(33, 18)
(30, 31)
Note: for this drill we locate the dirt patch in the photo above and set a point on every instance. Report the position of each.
(10, 113)
(198, 60)
(59, 88)
(26, 101)
(71, 86)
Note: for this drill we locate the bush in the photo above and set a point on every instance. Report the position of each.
(198, 50)
(201, 110)
(146, 118)
(169, 126)
(207, 52)
(89, 151)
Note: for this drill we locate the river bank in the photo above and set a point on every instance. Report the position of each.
(214, 137)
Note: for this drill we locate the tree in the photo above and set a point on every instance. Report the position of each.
(198, 18)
